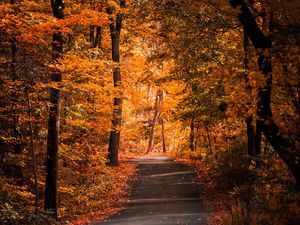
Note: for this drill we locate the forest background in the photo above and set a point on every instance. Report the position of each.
(85, 84)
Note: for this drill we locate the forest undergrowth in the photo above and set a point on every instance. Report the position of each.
(90, 195)
(244, 190)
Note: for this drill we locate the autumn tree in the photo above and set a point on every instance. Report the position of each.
(115, 32)
(283, 145)
(85, 98)
(54, 117)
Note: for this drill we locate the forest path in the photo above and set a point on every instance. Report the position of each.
(164, 193)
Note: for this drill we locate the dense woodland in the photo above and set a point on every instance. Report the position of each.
(212, 83)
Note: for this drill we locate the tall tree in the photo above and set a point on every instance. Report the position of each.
(32, 154)
(115, 32)
(283, 145)
(54, 117)
(253, 131)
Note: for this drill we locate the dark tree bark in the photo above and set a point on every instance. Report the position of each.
(253, 130)
(54, 118)
(92, 35)
(95, 39)
(32, 154)
(250, 135)
(98, 37)
(209, 140)
(114, 139)
(282, 144)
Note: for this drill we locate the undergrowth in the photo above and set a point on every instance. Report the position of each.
(245, 190)
(92, 195)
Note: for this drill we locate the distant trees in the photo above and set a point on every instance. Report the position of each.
(231, 89)
(157, 113)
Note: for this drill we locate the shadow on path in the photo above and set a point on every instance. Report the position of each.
(164, 193)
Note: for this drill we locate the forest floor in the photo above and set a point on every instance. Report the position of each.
(165, 192)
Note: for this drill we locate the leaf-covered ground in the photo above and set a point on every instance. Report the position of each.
(94, 194)
(103, 197)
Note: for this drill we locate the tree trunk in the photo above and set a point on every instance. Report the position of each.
(114, 139)
(154, 121)
(54, 119)
(32, 155)
(98, 37)
(192, 136)
(253, 130)
(95, 40)
(250, 135)
(283, 145)
(163, 135)
(209, 140)
(92, 35)
(92, 27)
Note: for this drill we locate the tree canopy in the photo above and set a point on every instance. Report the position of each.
(86, 83)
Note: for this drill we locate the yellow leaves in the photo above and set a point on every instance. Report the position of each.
(33, 25)
(86, 18)
(5, 9)
(113, 5)
(25, 194)
(172, 34)
(66, 190)
(102, 188)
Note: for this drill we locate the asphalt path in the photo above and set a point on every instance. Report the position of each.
(164, 193)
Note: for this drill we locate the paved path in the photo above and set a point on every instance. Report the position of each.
(165, 193)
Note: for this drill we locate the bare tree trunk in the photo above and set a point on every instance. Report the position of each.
(32, 155)
(209, 140)
(92, 35)
(157, 108)
(114, 139)
(154, 121)
(163, 135)
(54, 119)
(95, 40)
(98, 37)
(192, 135)
(92, 27)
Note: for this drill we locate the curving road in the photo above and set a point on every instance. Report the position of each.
(165, 193)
